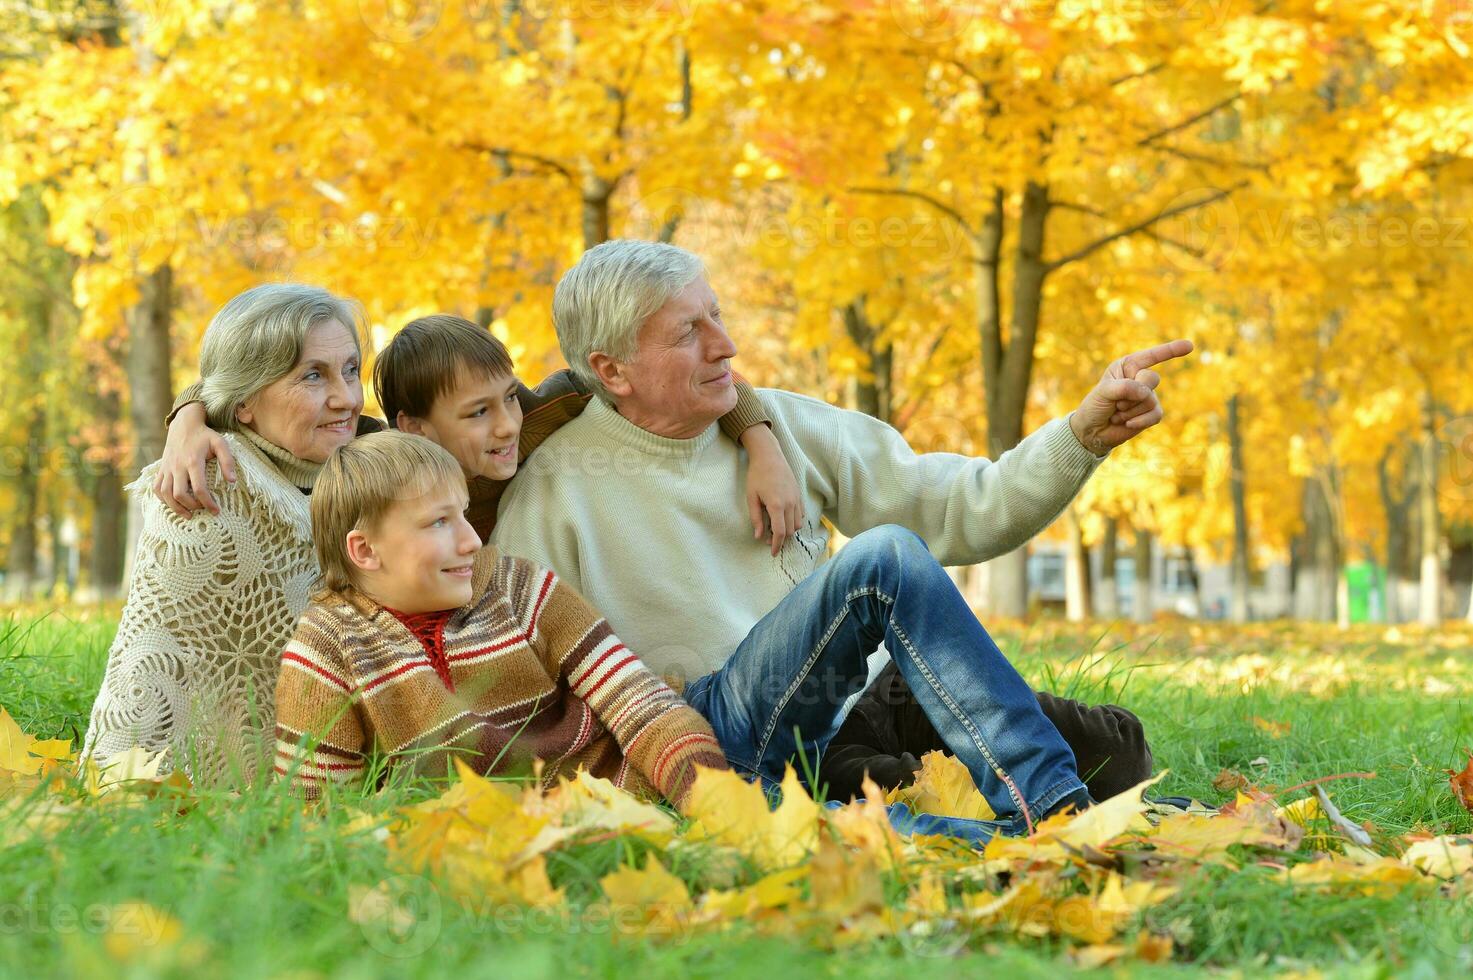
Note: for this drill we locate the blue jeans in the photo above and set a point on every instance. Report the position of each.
(779, 696)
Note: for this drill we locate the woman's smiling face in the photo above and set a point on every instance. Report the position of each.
(314, 408)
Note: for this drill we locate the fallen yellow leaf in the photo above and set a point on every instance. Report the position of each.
(944, 787)
(646, 899)
(1441, 857)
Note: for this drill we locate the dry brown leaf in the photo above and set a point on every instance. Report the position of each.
(1153, 948)
(1462, 784)
(1230, 781)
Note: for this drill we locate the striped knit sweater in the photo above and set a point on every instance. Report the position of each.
(528, 670)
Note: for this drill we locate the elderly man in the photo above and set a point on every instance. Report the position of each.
(635, 504)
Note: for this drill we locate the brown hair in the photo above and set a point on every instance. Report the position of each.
(360, 482)
(425, 358)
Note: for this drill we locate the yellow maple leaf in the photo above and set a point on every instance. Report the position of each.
(944, 787)
(726, 809)
(1105, 821)
(136, 765)
(646, 899)
(15, 754)
(1206, 838)
(1385, 876)
(777, 890)
(844, 883)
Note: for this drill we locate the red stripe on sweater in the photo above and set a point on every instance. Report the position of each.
(672, 750)
(524, 637)
(611, 672)
(577, 681)
(298, 658)
(537, 606)
(619, 718)
(412, 665)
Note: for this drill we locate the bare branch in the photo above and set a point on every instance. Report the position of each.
(1191, 157)
(936, 203)
(508, 153)
(1140, 226)
(1190, 121)
(1149, 233)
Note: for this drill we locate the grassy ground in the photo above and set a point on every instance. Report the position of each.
(261, 891)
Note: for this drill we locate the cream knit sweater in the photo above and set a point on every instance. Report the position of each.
(654, 532)
(212, 602)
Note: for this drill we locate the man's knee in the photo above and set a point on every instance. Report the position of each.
(887, 542)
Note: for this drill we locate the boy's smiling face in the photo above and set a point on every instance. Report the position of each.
(478, 419)
(417, 557)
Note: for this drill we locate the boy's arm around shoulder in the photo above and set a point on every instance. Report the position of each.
(662, 736)
(321, 733)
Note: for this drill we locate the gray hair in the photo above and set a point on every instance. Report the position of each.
(257, 338)
(600, 303)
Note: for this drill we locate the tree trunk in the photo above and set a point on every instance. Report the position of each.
(1076, 570)
(1429, 611)
(108, 510)
(20, 578)
(1315, 579)
(150, 386)
(1238, 609)
(873, 397)
(1397, 508)
(1008, 368)
(1143, 610)
(596, 194)
(1107, 593)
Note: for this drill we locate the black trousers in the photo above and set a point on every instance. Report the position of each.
(886, 733)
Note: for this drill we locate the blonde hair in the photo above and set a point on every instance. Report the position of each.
(257, 338)
(360, 482)
(600, 303)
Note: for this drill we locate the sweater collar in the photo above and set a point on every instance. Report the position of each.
(614, 426)
(301, 472)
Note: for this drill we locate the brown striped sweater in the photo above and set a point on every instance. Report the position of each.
(528, 670)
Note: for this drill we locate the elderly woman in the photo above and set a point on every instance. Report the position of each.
(214, 597)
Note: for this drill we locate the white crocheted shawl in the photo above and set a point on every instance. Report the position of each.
(212, 602)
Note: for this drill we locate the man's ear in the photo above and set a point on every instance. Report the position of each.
(361, 552)
(611, 373)
(408, 423)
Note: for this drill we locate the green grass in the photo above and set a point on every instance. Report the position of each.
(262, 891)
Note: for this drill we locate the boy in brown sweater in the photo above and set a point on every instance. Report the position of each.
(427, 646)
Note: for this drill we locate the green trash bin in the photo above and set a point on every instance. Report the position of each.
(1366, 583)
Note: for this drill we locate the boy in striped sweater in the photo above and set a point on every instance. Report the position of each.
(428, 646)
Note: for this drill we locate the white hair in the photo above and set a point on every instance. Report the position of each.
(600, 303)
(257, 338)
